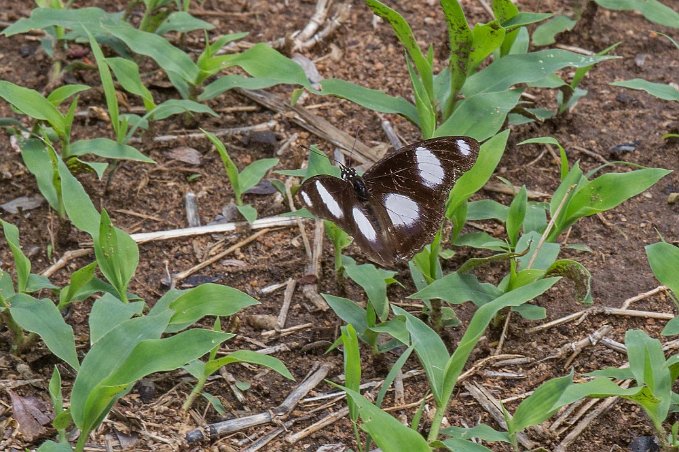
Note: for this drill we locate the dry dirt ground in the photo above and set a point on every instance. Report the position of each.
(151, 197)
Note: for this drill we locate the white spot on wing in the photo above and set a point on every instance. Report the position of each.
(364, 225)
(465, 149)
(306, 199)
(429, 167)
(402, 210)
(330, 202)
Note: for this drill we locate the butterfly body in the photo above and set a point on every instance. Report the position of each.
(397, 206)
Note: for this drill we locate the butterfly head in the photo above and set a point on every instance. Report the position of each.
(349, 174)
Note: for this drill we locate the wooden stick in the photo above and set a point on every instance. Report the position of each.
(504, 189)
(178, 277)
(331, 419)
(315, 124)
(269, 125)
(641, 296)
(261, 223)
(287, 298)
(218, 429)
(65, 259)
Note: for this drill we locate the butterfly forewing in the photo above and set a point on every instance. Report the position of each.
(403, 202)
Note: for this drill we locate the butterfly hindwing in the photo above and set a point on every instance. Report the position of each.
(398, 205)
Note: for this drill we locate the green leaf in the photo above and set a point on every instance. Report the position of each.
(487, 209)
(69, 18)
(520, 20)
(480, 116)
(127, 73)
(659, 90)
(425, 109)
(255, 172)
(178, 106)
(204, 300)
(37, 159)
(106, 148)
(21, 263)
(228, 82)
(182, 22)
(485, 39)
(262, 61)
(672, 327)
(577, 273)
(62, 93)
(41, 316)
(108, 312)
(229, 166)
(458, 288)
(248, 212)
(89, 400)
(79, 279)
(78, 205)
(540, 405)
(480, 431)
(374, 281)
(370, 98)
(117, 255)
(652, 10)
(545, 33)
(107, 84)
(168, 57)
(348, 311)
(508, 71)
(247, 356)
(430, 350)
(474, 179)
(32, 103)
(352, 366)
(461, 43)
(388, 433)
(478, 324)
(516, 215)
(481, 240)
(608, 191)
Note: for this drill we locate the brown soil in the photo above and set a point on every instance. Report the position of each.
(370, 56)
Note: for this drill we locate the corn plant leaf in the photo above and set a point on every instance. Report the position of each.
(387, 432)
(577, 273)
(108, 312)
(374, 281)
(458, 288)
(79, 280)
(508, 71)
(117, 255)
(22, 264)
(248, 212)
(430, 350)
(41, 316)
(485, 39)
(112, 106)
(460, 445)
(516, 215)
(103, 358)
(540, 405)
(370, 98)
(480, 116)
(487, 209)
(177, 106)
(664, 260)
(255, 172)
(228, 82)
(62, 93)
(107, 148)
(461, 42)
(207, 300)
(659, 90)
(478, 324)
(523, 19)
(474, 179)
(168, 57)
(480, 431)
(182, 22)
(247, 356)
(545, 33)
(69, 18)
(32, 103)
(127, 74)
(608, 191)
(652, 10)
(352, 366)
(348, 311)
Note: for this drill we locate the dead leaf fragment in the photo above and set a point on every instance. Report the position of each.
(23, 203)
(186, 154)
(31, 414)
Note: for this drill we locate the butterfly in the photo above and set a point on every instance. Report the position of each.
(396, 207)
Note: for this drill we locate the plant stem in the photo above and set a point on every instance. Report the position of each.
(194, 393)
